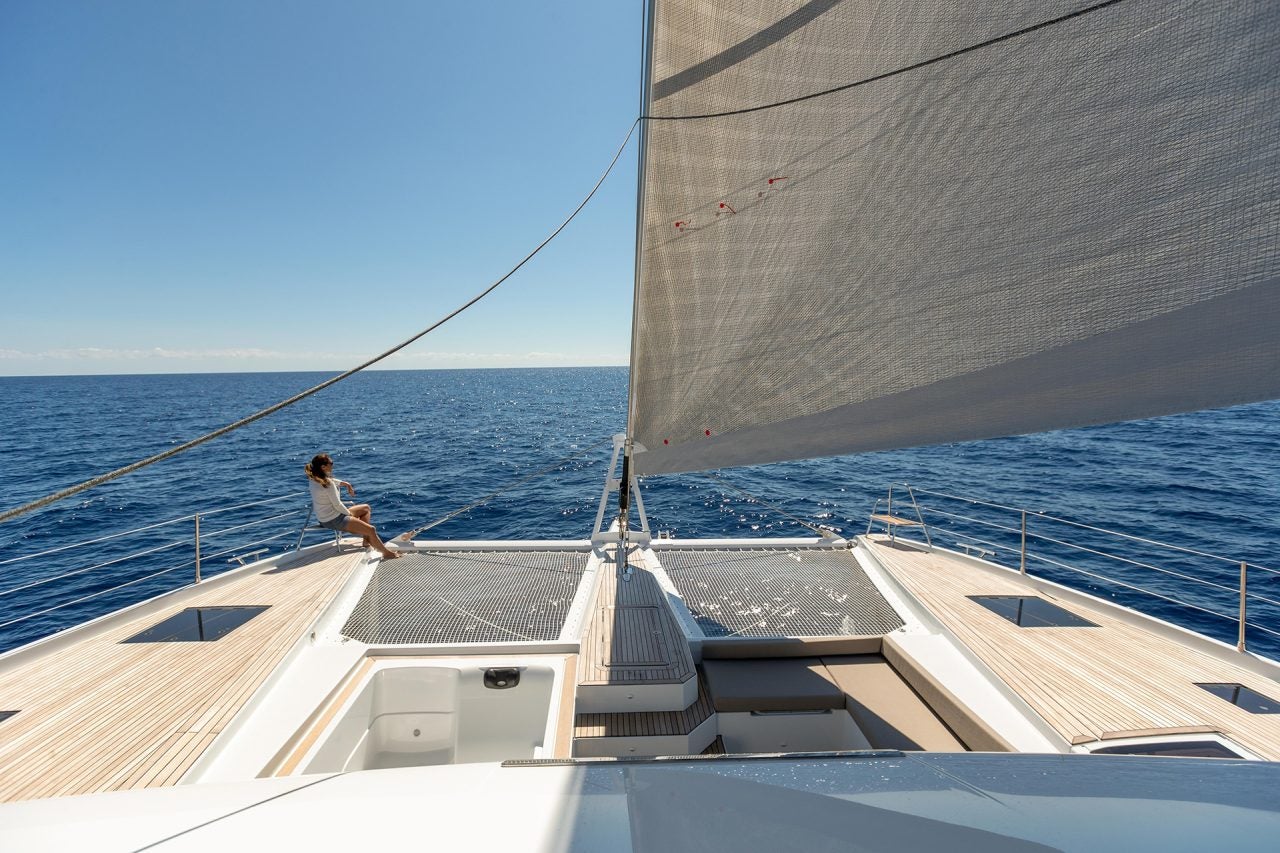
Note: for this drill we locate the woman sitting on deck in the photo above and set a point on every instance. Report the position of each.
(332, 513)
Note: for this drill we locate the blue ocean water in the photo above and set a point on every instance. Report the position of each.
(419, 444)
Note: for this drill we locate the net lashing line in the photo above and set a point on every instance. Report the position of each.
(151, 460)
(182, 448)
(555, 466)
(825, 533)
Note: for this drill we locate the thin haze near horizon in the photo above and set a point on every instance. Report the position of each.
(246, 186)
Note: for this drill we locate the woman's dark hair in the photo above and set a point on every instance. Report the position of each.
(315, 468)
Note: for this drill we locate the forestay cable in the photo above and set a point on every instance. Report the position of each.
(151, 460)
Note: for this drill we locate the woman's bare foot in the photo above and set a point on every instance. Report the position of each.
(389, 555)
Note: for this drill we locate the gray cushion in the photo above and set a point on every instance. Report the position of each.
(786, 647)
(972, 730)
(771, 684)
(888, 711)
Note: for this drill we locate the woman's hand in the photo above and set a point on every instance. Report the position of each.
(351, 490)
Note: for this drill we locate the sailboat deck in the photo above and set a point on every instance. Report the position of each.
(107, 715)
(1088, 683)
(632, 637)
(647, 724)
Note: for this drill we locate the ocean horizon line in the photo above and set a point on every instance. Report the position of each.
(371, 369)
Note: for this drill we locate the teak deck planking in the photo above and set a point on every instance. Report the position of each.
(646, 723)
(1088, 683)
(101, 715)
(632, 638)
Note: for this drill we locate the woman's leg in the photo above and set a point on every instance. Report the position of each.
(363, 528)
(365, 514)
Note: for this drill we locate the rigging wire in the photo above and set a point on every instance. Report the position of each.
(119, 472)
(405, 537)
(894, 73)
(824, 533)
(151, 460)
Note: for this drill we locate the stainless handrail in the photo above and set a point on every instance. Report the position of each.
(1089, 550)
(1024, 553)
(1130, 536)
(889, 525)
(144, 528)
(227, 530)
(195, 542)
(89, 597)
(86, 569)
(1126, 585)
(97, 541)
(253, 503)
(271, 538)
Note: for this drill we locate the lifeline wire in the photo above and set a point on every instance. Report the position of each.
(151, 460)
(894, 73)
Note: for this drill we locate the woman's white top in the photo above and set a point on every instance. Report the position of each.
(325, 499)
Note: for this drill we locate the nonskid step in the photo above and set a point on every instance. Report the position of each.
(637, 698)
(684, 732)
(694, 743)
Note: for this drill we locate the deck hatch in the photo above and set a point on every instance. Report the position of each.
(197, 625)
(779, 592)
(1243, 697)
(453, 597)
(636, 639)
(1029, 611)
(1172, 749)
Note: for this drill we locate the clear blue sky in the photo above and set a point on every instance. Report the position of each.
(252, 185)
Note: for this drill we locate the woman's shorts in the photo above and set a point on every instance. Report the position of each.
(339, 523)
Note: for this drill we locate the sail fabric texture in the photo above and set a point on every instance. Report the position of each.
(1073, 226)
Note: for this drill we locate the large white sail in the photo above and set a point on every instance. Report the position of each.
(1075, 225)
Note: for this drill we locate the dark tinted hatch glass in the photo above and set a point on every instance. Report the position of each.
(197, 624)
(1030, 611)
(1239, 695)
(1180, 749)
